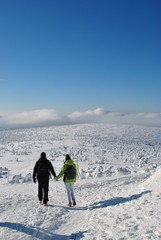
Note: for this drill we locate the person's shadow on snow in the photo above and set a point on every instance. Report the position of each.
(39, 233)
(116, 201)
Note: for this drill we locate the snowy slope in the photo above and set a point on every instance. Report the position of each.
(118, 194)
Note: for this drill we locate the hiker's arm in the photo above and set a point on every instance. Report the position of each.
(35, 172)
(52, 170)
(76, 170)
(61, 173)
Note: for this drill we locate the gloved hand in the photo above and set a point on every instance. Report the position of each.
(34, 180)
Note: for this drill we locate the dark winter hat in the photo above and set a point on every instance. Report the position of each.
(43, 155)
(67, 157)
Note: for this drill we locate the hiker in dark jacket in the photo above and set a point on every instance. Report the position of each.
(69, 182)
(41, 173)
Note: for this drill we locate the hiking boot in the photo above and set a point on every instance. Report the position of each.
(69, 204)
(74, 202)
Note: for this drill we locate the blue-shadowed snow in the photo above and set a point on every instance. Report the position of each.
(118, 190)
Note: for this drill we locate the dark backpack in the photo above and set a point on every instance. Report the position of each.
(70, 172)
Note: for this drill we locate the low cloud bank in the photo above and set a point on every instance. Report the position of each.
(89, 115)
(48, 117)
(36, 118)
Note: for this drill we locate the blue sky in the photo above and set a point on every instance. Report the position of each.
(74, 56)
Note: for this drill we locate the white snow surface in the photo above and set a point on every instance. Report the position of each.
(118, 190)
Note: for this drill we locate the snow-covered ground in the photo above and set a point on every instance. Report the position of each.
(118, 191)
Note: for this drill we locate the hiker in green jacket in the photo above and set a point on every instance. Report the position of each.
(69, 174)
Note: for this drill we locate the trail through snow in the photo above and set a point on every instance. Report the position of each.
(117, 198)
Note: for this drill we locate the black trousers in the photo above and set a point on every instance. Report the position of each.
(43, 189)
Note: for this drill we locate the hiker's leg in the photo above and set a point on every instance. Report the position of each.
(67, 185)
(46, 190)
(72, 190)
(40, 192)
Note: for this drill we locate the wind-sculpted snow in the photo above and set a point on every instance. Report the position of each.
(90, 145)
(117, 191)
(3, 172)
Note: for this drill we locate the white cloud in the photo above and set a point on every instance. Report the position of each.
(89, 114)
(151, 119)
(32, 118)
(102, 115)
(46, 117)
